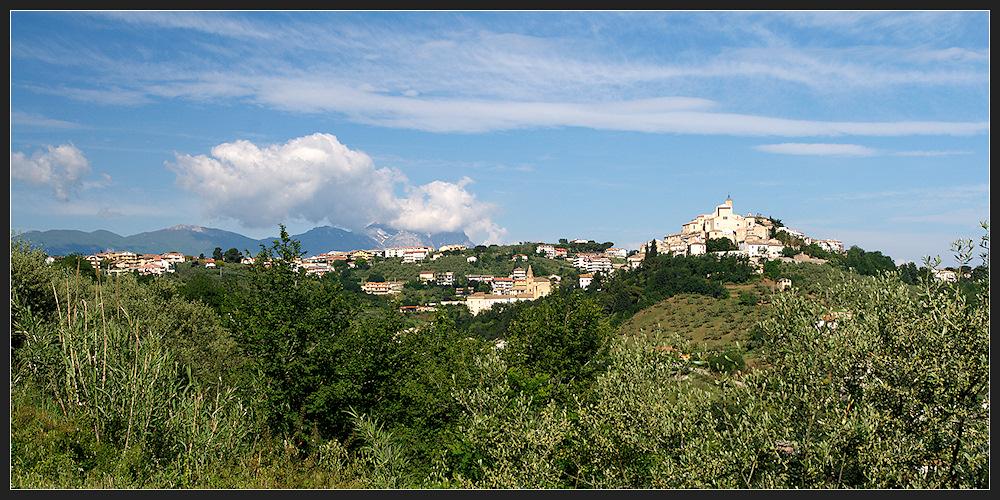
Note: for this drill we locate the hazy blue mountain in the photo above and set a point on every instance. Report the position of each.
(196, 240)
(189, 240)
(66, 241)
(325, 239)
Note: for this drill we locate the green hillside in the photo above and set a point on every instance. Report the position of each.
(704, 321)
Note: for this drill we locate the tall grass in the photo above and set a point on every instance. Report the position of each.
(111, 382)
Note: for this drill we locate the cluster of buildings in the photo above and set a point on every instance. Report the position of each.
(522, 284)
(126, 262)
(551, 251)
(752, 235)
(323, 263)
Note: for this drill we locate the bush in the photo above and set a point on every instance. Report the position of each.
(748, 298)
(726, 362)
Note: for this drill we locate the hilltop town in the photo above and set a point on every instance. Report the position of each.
(755, 236)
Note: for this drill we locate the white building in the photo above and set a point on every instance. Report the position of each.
(502, 286)
(945, 275)
(592, 263)
(758, 248)
(173, 257)
(382, 287)
(832, 246)
(616, 253)
(548, 250)
(480, 301)
(446, 278)
(402, 251)
(415, 255)
(635, 261)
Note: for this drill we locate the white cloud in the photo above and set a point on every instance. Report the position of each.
(933, 153)
(681, 115)
(36, 120)
(444, 206)
(60, 168)
(316, 178)
(793, 148)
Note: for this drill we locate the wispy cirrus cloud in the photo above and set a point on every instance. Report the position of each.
(847, 150)
(20, 118)
(943, 193)
(817, 149)
(933, 153)
(472, 74)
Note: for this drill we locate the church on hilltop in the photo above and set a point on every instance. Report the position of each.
(751, 234)
(721, 223)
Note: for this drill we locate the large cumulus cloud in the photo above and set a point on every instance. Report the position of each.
(60, 168)
(317, 179)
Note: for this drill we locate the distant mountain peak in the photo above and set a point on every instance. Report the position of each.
(387, 237)
(186, 227)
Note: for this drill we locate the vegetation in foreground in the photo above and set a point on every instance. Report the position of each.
(285, 381)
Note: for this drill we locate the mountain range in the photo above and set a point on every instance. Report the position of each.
(197, 240)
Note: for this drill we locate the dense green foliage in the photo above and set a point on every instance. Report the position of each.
(271, 378)
(719, 245)
(862, 262)
(557, 347)
(288, 328)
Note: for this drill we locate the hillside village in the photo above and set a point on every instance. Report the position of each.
(756, 237)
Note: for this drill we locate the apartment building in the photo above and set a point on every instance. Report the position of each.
(382, 287)
(445, 278)
(592, 263)
(402, 251)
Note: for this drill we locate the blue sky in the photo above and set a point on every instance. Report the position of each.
(867, 127)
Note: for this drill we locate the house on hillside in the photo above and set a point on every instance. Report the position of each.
(173, 257)
(382, 287)
(480, 301)
(945, 275)
(502, 286)
(634, 261)
(761, 248)
(445, 278)
(616, 253)
(830, 245)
